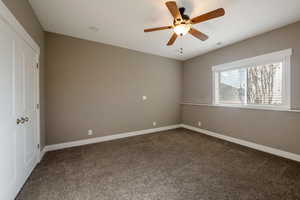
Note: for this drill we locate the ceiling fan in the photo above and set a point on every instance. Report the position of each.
(182, 23)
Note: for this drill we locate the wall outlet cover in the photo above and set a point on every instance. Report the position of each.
(90, 132)
(154, 123)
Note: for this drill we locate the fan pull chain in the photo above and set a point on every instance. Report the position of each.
(181, 51)
(181, 46)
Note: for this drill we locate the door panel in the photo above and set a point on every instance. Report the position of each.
(8, 138)
(30, 148)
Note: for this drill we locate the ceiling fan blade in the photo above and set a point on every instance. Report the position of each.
(198, 34)
(211, 15)
(172, 40)
(157, 29)
(172, 6)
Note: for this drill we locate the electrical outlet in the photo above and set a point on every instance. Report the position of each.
(90, 132)
(199, 124)
(154, 123)
(144, 98)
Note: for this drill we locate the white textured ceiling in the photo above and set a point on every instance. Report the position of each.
(121, 22)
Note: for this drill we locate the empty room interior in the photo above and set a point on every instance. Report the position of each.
(149, 100)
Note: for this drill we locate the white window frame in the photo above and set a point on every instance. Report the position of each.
(283, 56)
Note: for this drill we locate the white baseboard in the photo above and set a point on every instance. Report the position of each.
(107, 138)
(42, 154)
(252, 145)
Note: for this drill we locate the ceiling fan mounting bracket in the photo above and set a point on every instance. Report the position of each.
(184, 17)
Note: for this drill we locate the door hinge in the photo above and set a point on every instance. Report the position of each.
(38, 146)
(37, 106)
(37, 65)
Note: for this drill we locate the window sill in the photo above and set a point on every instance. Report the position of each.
(255, 107)
(266, 108)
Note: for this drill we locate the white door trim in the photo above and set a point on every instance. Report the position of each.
(38, 108)
(17, 27)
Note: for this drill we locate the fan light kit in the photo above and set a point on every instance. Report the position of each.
(182, 23)
(182, 29)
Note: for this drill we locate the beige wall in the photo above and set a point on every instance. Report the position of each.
(25, 15)
(272, 128)
(96, 86)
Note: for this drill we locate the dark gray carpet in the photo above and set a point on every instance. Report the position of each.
(171, 165)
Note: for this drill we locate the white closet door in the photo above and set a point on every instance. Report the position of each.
(8, 114)
(18, 138)
(29, 113)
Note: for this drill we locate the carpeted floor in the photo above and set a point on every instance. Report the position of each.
(171, 165)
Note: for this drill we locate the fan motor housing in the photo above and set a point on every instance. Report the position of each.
(185, 18)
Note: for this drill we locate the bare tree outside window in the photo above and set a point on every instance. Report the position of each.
(264, 84)
(257, 85)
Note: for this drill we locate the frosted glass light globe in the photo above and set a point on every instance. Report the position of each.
(182, 29)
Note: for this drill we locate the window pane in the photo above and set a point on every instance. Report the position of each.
(264, 85)
(232, 86)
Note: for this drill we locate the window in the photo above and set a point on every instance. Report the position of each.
(259, 82)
